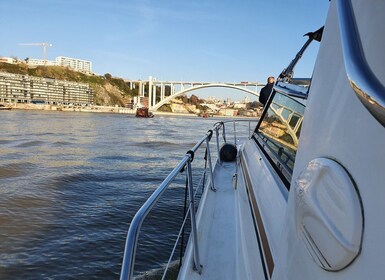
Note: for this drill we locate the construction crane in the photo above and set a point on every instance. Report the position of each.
(44, 45)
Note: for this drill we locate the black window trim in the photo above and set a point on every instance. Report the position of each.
(290, 93)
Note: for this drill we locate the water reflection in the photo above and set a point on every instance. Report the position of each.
(280, 130)
(70, 183)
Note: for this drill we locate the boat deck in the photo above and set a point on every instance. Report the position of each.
(221, 235)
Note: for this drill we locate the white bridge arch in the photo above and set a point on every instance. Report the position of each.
(197, 87)
(156, 90)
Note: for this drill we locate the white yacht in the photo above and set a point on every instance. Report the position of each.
(302, 197)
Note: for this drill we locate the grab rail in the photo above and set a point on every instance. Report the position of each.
(370, 91)
(136, 223)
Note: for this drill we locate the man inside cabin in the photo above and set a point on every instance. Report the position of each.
(266, 91)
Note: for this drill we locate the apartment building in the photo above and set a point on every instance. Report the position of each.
(74, 64)
(37, 62)
(29, 89)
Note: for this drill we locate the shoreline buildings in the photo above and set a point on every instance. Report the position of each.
(17, 88)
(30, 89)
(75, 64)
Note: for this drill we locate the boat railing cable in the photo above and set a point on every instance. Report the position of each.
(368, 88)
(185, 164)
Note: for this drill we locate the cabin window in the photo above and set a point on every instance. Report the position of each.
(278, 133)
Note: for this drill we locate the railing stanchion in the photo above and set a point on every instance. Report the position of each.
(217, 136)
(210, 165)
(235, 134)
(193, 220)
(224, 132)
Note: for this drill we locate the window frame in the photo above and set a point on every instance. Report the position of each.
(291, 91)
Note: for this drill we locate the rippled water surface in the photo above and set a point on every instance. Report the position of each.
(71, 182)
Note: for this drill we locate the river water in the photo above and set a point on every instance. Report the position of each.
(71, 182)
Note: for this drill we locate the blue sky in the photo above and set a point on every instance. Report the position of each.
(167, 39)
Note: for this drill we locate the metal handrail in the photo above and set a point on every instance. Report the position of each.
(221, 125)
(180, 232)
(136, 223)
(370, 91)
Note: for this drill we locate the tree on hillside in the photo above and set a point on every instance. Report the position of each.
(254, 105)
(183, 97)
(194, 100)
(107, 76)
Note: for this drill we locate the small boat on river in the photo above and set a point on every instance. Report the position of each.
(143, 113)
(5, 108)
(301, 194)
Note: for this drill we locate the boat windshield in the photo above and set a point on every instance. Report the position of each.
(279, 131)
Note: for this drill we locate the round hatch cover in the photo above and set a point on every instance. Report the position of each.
(328, 214)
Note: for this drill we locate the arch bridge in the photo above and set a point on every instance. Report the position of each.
(159, 93)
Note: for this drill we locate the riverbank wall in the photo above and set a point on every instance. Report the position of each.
(99, 109)
(86, 109)
(69, 108)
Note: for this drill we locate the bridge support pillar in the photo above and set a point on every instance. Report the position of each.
(141, 89)
(153, 98)
(150, 92)
(161, 91)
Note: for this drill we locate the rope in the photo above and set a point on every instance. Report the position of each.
(204, 173)
(191, 154)
(210, 134)
(184, 217)
(223, 132)
(181, 233)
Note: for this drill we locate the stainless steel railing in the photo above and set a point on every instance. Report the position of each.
(136, 223)
(368, 88)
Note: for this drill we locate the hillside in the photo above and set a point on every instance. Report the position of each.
(108, 91)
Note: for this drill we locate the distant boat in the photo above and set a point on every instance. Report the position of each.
(205, 115)
(3, 107)
(143, 113)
